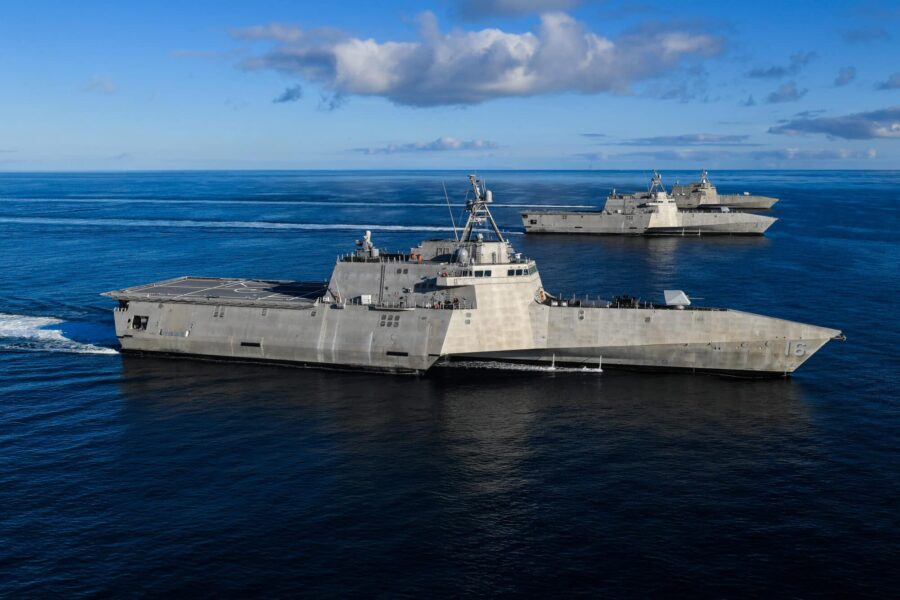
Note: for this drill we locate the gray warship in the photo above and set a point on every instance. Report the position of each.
(470, 298)
(653, 212)
(703, 194)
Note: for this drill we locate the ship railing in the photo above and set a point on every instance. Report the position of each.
(617, 302)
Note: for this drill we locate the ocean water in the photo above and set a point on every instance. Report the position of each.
(135, 476)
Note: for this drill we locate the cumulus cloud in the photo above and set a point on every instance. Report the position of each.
(884, 123)
(891, 83)
(786, 92)
(290, 94)
(845, 76)
(469, 67)
(797, 62)
(441, 144)
(865, 34)
(100, 84)
(479, 9)
(690, 139)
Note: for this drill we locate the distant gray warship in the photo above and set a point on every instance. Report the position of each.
(703, 194)
(653, 212)
(471, 298)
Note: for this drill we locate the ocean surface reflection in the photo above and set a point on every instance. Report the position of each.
(462, 465)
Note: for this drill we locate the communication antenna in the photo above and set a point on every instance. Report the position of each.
(450, 210)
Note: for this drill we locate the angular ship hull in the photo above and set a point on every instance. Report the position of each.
(643, 223)
(463, 299)
(267, 325)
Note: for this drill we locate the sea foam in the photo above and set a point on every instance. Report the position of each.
(40, 334)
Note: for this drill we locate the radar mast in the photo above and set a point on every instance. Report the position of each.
(478, 211)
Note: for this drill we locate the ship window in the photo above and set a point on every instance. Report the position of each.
(479, 273)
(265, 311)
(139, 323)
(399, 271)
(519, 272)
(511, 273)
(405, 271)
(487, 273)
(533, 221)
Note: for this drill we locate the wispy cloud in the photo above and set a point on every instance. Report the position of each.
(891, 83)
(845, 76)
(469, 67)
(750, 101)
(690, 139)
(441, 144)
(808, 114)
(594, 135)
(769, 155)
(100, 84)
(865, 34)
(290, 94)
(786, 92)
(798, 60)
(480, 9)
(813, 154)
(884, 123)
(273, 31)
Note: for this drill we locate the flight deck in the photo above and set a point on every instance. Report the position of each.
(202, 289)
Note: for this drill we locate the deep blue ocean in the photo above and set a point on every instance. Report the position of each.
(139, 476)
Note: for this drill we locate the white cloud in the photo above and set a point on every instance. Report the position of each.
(470, 67)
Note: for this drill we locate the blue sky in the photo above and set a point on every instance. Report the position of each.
(559, 84)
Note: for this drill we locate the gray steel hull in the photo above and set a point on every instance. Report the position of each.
(356, 338)
(639, 223)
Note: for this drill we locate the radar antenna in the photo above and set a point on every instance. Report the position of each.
(656, 184)
(478, 211)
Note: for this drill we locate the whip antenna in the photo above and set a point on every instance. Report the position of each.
(450, 210)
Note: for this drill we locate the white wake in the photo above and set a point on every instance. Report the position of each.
(190, 223)
(37, 334)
